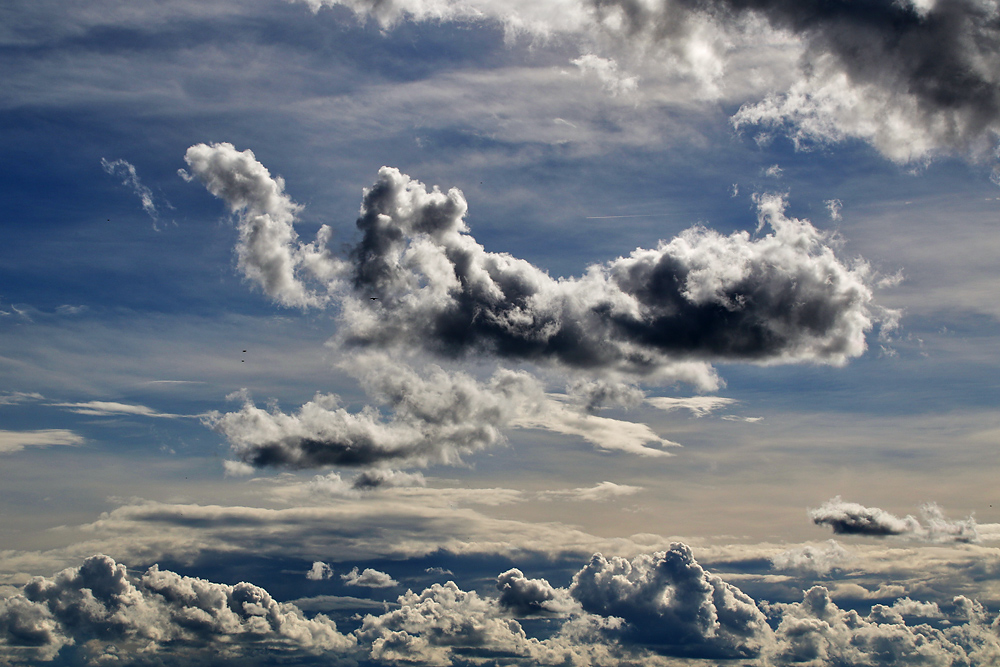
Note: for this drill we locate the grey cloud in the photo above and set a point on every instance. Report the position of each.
(99, 606)
(668, 600)
(854, 519)
(525, 597)
(703, 297)
(599, 492)
(268, 251)
(130, 178)
(436, 417)
(368, 578)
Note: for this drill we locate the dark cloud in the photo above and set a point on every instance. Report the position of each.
(853, 519)
(783, 296)
(667, 599)
(524, 597)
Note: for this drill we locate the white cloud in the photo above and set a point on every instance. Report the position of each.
(108, 408)
(130, 178)
(811, 558)
(854, 519)
(15, 441)
(319, 571)
(368, 578)
(699, 406)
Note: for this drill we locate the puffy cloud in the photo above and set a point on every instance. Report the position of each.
(269, 251)
(854, 519)
(368, 578)
(522, 596)
(818, 559)
(668, 600)
(817, 633)
(702, 297)
(15, 441)
(99, 606)
(319, 571)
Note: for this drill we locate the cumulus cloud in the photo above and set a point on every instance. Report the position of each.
(817, 632)
(130, 178)
(811, 558)
(368, 578)
(522, 596)
(15, 441)
(101, 608)
(854, 519)
(319, 571)
(668, 600)
(702, 297)
(269, 252)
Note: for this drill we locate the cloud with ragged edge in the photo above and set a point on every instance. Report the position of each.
(130, 178)
(418, 277)
(847, 518)
(368, 578)
(650, 610)
(15, 441)
(914, 79)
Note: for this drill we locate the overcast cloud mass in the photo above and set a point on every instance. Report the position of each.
(454, 333)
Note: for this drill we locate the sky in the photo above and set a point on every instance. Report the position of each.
(489, 332)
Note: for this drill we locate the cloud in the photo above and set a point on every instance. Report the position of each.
(130, 178)
(699, 406)
(600, 492)
(914, 79)
(269, 252)
(15, 397)
(853, 519)
(435, 416)
(817, 632)
(667, 600)
(319, 571)
(99, 607)
(522, 596)
(810, 558)
(702, 297)
(108, 408)
(15, 441)
(369, 578)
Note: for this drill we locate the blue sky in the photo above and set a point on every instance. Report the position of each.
(668, 337)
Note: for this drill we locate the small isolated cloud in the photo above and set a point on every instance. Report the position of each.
(834, 206)
(110, 408)
(319, 571)
(699, 406)
(130, 178)
(15, 441)
(600, 492)
(774, 171)
(854, 519)
(368, 578)
(819, 559)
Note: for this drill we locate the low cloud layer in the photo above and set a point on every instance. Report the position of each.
(649, 610)
(854, 519)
